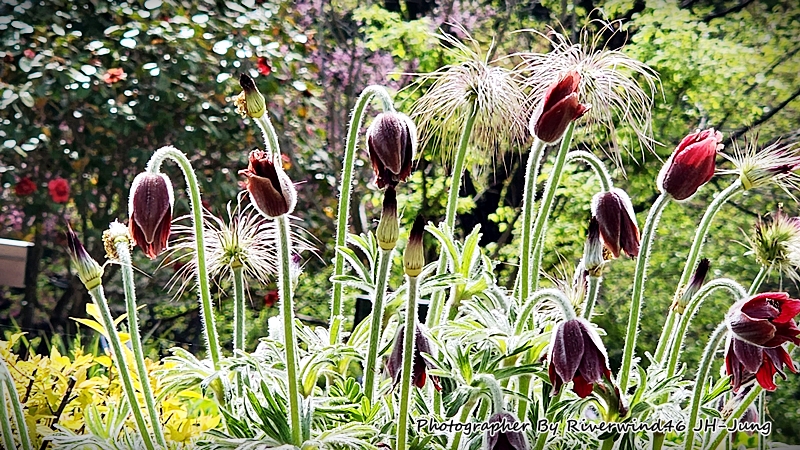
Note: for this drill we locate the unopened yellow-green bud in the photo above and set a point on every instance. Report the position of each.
(255, 105)
(389, 227)
(414, 256)
(89, 271)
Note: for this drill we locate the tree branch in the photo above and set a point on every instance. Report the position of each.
(732, 9)
(764, 117)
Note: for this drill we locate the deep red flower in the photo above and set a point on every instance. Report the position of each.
(391, 142)
(745, 361)
(24, 187)
(559, 107)
(271, 298)
(263, 66)
(618, 228)
(419, 366)
(59, 190)
(114, 75)
(691, 165)
(577, 354)
(150, 208)
(270, 188)
(766, 320)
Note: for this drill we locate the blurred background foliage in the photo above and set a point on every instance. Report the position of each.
(89, 89)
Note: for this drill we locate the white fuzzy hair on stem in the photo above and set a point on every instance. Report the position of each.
(497, 92)
(611, 82)
(246, 238)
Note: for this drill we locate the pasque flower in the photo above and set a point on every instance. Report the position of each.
(559, 107)
(577, 354)
(89, 271)
(510, 438)
(150, 208)
(744, 361)
(24, 187)
(59, 190)
(691, 165)
(391, 142)
(776, 244)
(765, 320)
(270, 188)
(419, 370)
(614, 213)
(250, 103)
(694, 285)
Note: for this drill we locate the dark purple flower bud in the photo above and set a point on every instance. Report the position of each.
(150, 209)
(691, 165)
(505, 433)
(745, 361)
(419, 366)
(614, 213)
(391, 142)
(766, 320)
(271, 190)
(414, 256)
(559, 107)
(694, 285)
(577, 354)
(89, 271)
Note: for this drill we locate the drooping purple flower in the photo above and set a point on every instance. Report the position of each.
(511, 438)
(271, 190)
(618, 228)
(744, 361)
(150, 208)
(559, 107)
(577, 354)
(391, 142)
(419, 368)
(766, 320)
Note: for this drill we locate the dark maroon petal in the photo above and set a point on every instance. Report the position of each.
(750, 356)
(510, 440)
(567, 349)
(761, 307)
(560, 90)
(629, 236)
(555, 380)
(553, 122)
(592, 363)
(394, 364)
(754, 331)
(608, 213)
(766, 374)
(581, 387)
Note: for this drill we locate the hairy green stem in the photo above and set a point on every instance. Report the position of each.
(700, 381)
(691, 262)
(596, 164)
(465, 412)
(99, 298)
(694, 304)
(757, 281)
(346, 187)
(544, 211)
(495, 391)
(371, 368)
(437, 302)
(542, 439)
(528, 197)
(650, 226)
(762, 412)
(738, 412)
(206, 306)
(408, 360)
(6, 381)
(238, 317)
(287, 310)
(123, 251)
(591, 296)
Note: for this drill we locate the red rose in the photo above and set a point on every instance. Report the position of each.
(25, 186)
(59, 190)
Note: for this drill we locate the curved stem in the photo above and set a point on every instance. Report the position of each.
(345, 188)
(700, 382)
(99, 298)
(555, 295)
(465, 412)
(206, 306)
(19, 414)
(437, 302)
(542, 439)
(596, 164)
(268, 133)
(408, 359)
(370, 369)
(591, 296)
(544, 210)
(757, 281)
(648, 234)
(495, 392)
(528, 197)
(287, 309)
(694, 304)
(738, 412)
(124, 253)
(691, 262)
